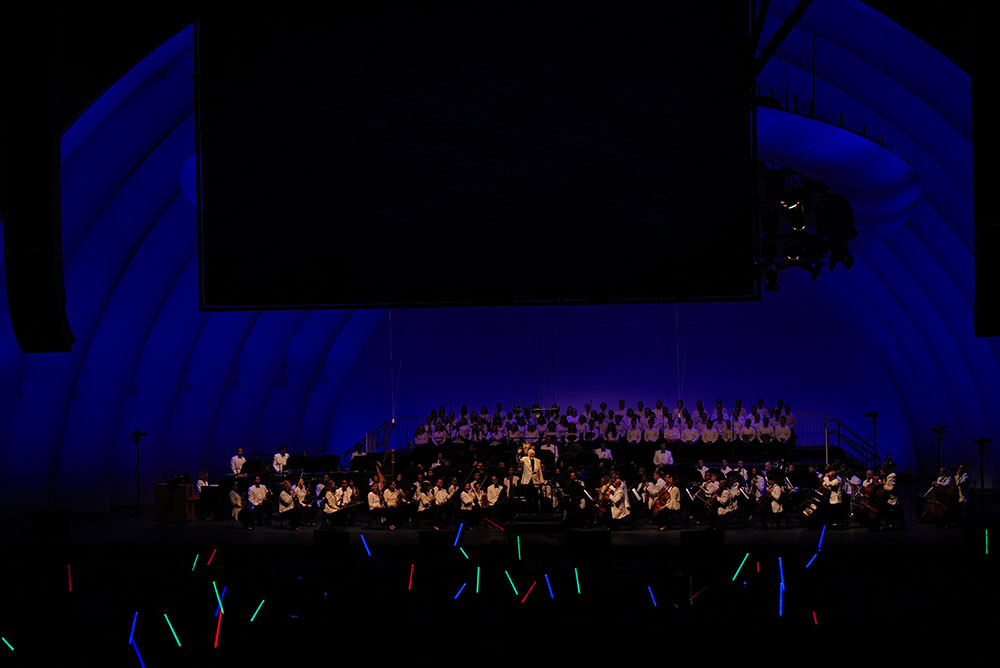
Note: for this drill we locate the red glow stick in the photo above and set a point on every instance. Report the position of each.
(409, 587)
(529, 591)
(699, 591)
(217, 627)
(814, 617)
(210, 558)
(69, 575)
(494, 524)
(758, 567)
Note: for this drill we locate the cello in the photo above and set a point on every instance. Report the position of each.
(872, 499)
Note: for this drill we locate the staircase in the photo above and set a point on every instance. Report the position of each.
(855, 448)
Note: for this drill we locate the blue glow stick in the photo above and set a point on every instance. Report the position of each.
(741, 566)
(132, 632)
(549, 585)
(219, 608)
(460, 591)
(218, 598)
(822, 533)
(812, 560)
(651, 595)
(365, 543)
(460, 525)
(781, 592)
(782, 570)
(141, 662)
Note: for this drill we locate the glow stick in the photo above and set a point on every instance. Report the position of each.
(460, 591)
(477, 579)
(257, 610)
(812, 560)
(650, 588)
(781, 594)
(519, 548)
(577, 573)
(549, 585)
(460, 525)
(494, 524)
(463, 552)
(782, 570)
(217, 628)
(209, 562)
(218, 598)
(219, 609)
(365, 543)
(69, 574)
(511, 583)
(7, 643)
(141, 662)
(741, 566)
(987, 540)
(699, 591)
(172, 629)
(821, 534)
(814, 618)
(132, 632)
(409, 587)
(195, 562)
(529, 591)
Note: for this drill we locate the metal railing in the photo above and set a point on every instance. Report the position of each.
(855, 447)
(394, 434)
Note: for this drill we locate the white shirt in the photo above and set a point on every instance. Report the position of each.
(493, 493)
(727, 502)
(342, 497)
(467, 499)
(748, 434)
(391, 497)
(441, 496)
(653, 490)
(553, 448)
(280, 460)
(257, 494)
(651, 435)
(300, 492)
(617, 497)
(330, 506)
(689, 435)
(603, 453)
(834, 487)
(671, 434)
(237, 501)
(703, 470)
(782, 434)
(374, 500)
(710, 435)
(236, 464)
(285, 502)
(200, 484)
(663, 458)
(776, 505)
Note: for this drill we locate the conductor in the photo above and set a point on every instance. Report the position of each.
(531, 479)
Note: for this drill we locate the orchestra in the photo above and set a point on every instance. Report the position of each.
(590, 468)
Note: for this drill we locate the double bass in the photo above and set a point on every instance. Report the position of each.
(941, 499)
(873, 498)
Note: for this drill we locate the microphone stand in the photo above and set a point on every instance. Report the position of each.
(939, 431)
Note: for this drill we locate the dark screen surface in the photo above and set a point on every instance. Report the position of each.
(475, 153)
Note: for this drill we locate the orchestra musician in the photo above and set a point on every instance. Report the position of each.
(258, 495)
(237, 462)
(241, 513)
(392, 497)
(670, 496)
(301, 493)
(835, 507)
(287, 505)
(376, 504)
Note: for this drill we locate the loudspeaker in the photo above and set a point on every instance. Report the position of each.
(588, 538)
(30, 133)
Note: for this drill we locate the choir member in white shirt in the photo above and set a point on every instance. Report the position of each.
(748, 434)
(634, 434)
(287, 505)
(663, 457)
(783, 433)
(789, 416)
(280, 460)
(765, 433)
(689, 435)
(241, 514)
(658, 411)
(421, 437)
(237, 462)
(709, 436)
(651, 434)
(531, 436)
(550, 446)
(678, 412)
(671, 434)
(439, 436)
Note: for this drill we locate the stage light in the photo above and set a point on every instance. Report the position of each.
(172, 629)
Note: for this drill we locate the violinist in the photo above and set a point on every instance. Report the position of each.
(834, 483)
(772, 503)
(671, 500)
(393, 504)
(376, 504)
(619, 505)
(468, 502)
(287, 505)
